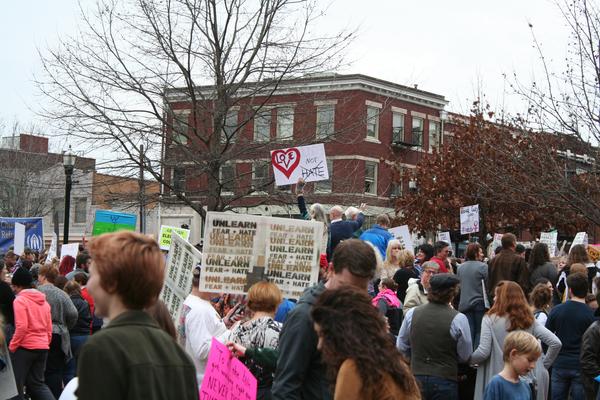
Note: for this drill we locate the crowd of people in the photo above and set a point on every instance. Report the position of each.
(381, 323)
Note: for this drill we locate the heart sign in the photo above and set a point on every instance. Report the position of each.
(286, 160)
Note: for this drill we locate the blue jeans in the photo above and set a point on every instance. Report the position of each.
(475, 315)
(77, 343)
(436, 388)
(565, 381)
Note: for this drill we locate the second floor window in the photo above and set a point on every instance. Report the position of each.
(181, 126)
(325, 121)
(230, 128)
(397, 127)
(80, 210)
(417, 131)
(262, 126)
(178, 179)
(434, 134)
(372, 122)
(371, 177)
(227, 178)
(260, 176)
(285, 123)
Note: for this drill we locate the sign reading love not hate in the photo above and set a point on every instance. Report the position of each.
(307, 162)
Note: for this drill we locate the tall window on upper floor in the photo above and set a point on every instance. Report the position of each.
(180, 126)
(434, 135)
(326, 186)
(80, 210)
(262, 126)
(370, 177)
(397, 127)
(58, 206)
(285, 123)
(227, 178)
(230, 129)
(372, 122)
(260, 176)
(325, 121)
(417, 131)
(178, 179)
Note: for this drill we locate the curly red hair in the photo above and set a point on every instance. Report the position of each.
(510, 302)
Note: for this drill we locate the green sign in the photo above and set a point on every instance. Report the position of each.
(164, 239)
(111, 221)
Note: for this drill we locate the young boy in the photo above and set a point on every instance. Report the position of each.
(521, 351)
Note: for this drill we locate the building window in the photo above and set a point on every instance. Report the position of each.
(181, 126)
(230, 127)
(396, 189)
(372, 122)
(371, 177)
(58, 206)
(325, 121)
(227, 178)
(260, 176)
(80, 211)
(326, 186)
(285, 123)
(178, 179)
(434, 135)
(397, 127)
(262, 126)
(417, 131)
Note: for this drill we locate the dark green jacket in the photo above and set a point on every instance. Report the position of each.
(132, 358)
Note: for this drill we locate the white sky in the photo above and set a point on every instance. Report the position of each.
(451, 48)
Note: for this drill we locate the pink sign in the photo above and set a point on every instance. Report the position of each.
(226, 377)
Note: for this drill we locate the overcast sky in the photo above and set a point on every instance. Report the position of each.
(453, 48)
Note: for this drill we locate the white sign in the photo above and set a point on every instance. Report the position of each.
(70, 249)
(580, 238)
(402, 234)
(19, 243)
(183, 257)
(53, 248)
(307, 162)
(444, 237)
(240, 250)
(469, 219)
(550, 238)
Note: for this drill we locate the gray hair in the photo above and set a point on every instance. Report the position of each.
(317, 213)
(351, 212)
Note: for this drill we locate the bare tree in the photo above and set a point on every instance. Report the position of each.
(168, 75)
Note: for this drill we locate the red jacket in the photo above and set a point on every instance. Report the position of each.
(443, 269)
(33, 321)
(87, 297)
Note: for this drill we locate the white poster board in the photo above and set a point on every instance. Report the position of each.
(164, 237)
(19, 239)
(240, 250)
(183, 257)
(550, 238)
(53, 248)
(402, 234)
(469, 219)
(69, 249)
(444, 237)
(580, 238)
(307, 162)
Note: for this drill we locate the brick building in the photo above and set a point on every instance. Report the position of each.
(364, 122)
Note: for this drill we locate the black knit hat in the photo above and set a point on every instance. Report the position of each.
(22, 278)
(441, 282)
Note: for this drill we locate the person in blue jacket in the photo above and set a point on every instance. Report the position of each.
(378, 235)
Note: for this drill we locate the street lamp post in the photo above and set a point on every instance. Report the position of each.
(69, 164)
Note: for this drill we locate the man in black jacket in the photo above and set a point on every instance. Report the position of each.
(300, 374)
(590, 358)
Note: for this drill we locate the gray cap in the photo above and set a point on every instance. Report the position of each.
(441, 282)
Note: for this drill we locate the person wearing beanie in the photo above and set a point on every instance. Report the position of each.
(436, 338)
(31, 340)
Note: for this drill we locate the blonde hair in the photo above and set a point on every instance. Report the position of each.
(264, 296)
(388, 251)
(523, 342)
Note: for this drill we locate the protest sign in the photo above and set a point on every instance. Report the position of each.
(444, 237)
(307, 162)
(402, 234)
(240, 250)
(111, 221)
(34, 233)
(53, 248)
(226, 377)
(550, 238)
(183, 257)
(19, 239)
(164, 238)
(70, 249)
(580, 238)
(469, 219)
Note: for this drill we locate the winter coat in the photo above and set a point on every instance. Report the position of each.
(33, 321)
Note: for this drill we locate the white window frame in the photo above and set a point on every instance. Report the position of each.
(371, 179)
(402, 117)
(178, 119)
(262, 115)
(225, 191)
(436, 136)
(373, 120)
(422, 130)
(325, 128)
(285, 121)
(326, 186)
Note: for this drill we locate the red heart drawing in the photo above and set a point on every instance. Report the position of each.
(286, 160)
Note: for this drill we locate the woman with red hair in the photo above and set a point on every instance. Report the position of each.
(511, 312)
(67, 264)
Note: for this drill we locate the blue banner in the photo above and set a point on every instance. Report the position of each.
(34, 233)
